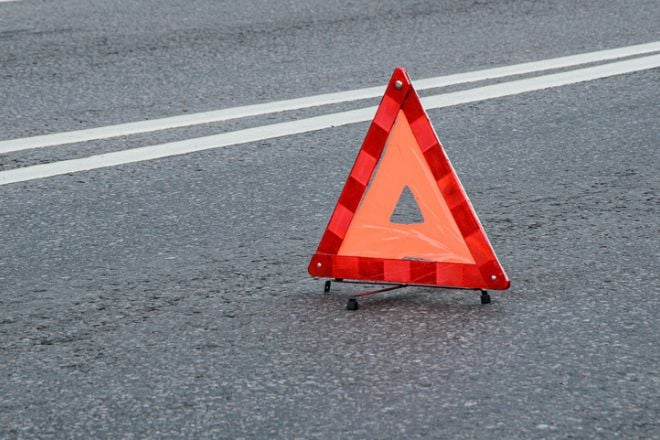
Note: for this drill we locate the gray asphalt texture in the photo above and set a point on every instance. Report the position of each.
(170, 299)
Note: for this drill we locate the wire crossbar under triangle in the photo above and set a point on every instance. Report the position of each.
(352, 303)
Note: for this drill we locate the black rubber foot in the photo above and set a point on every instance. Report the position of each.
(352, 304)
(326, 288)
(485, 297)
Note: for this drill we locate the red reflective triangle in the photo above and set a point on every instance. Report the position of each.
(448, 248)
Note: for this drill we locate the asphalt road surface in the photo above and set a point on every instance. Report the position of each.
(169, 298)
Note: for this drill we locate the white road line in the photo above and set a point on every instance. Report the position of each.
(132, 128)
(321, 122)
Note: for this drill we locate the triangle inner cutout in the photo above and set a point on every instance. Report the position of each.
(407, 210)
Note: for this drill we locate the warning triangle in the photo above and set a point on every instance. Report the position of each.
(401, 152)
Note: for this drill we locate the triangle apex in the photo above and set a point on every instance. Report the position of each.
(399, 83)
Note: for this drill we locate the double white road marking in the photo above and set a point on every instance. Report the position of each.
(325, 121)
